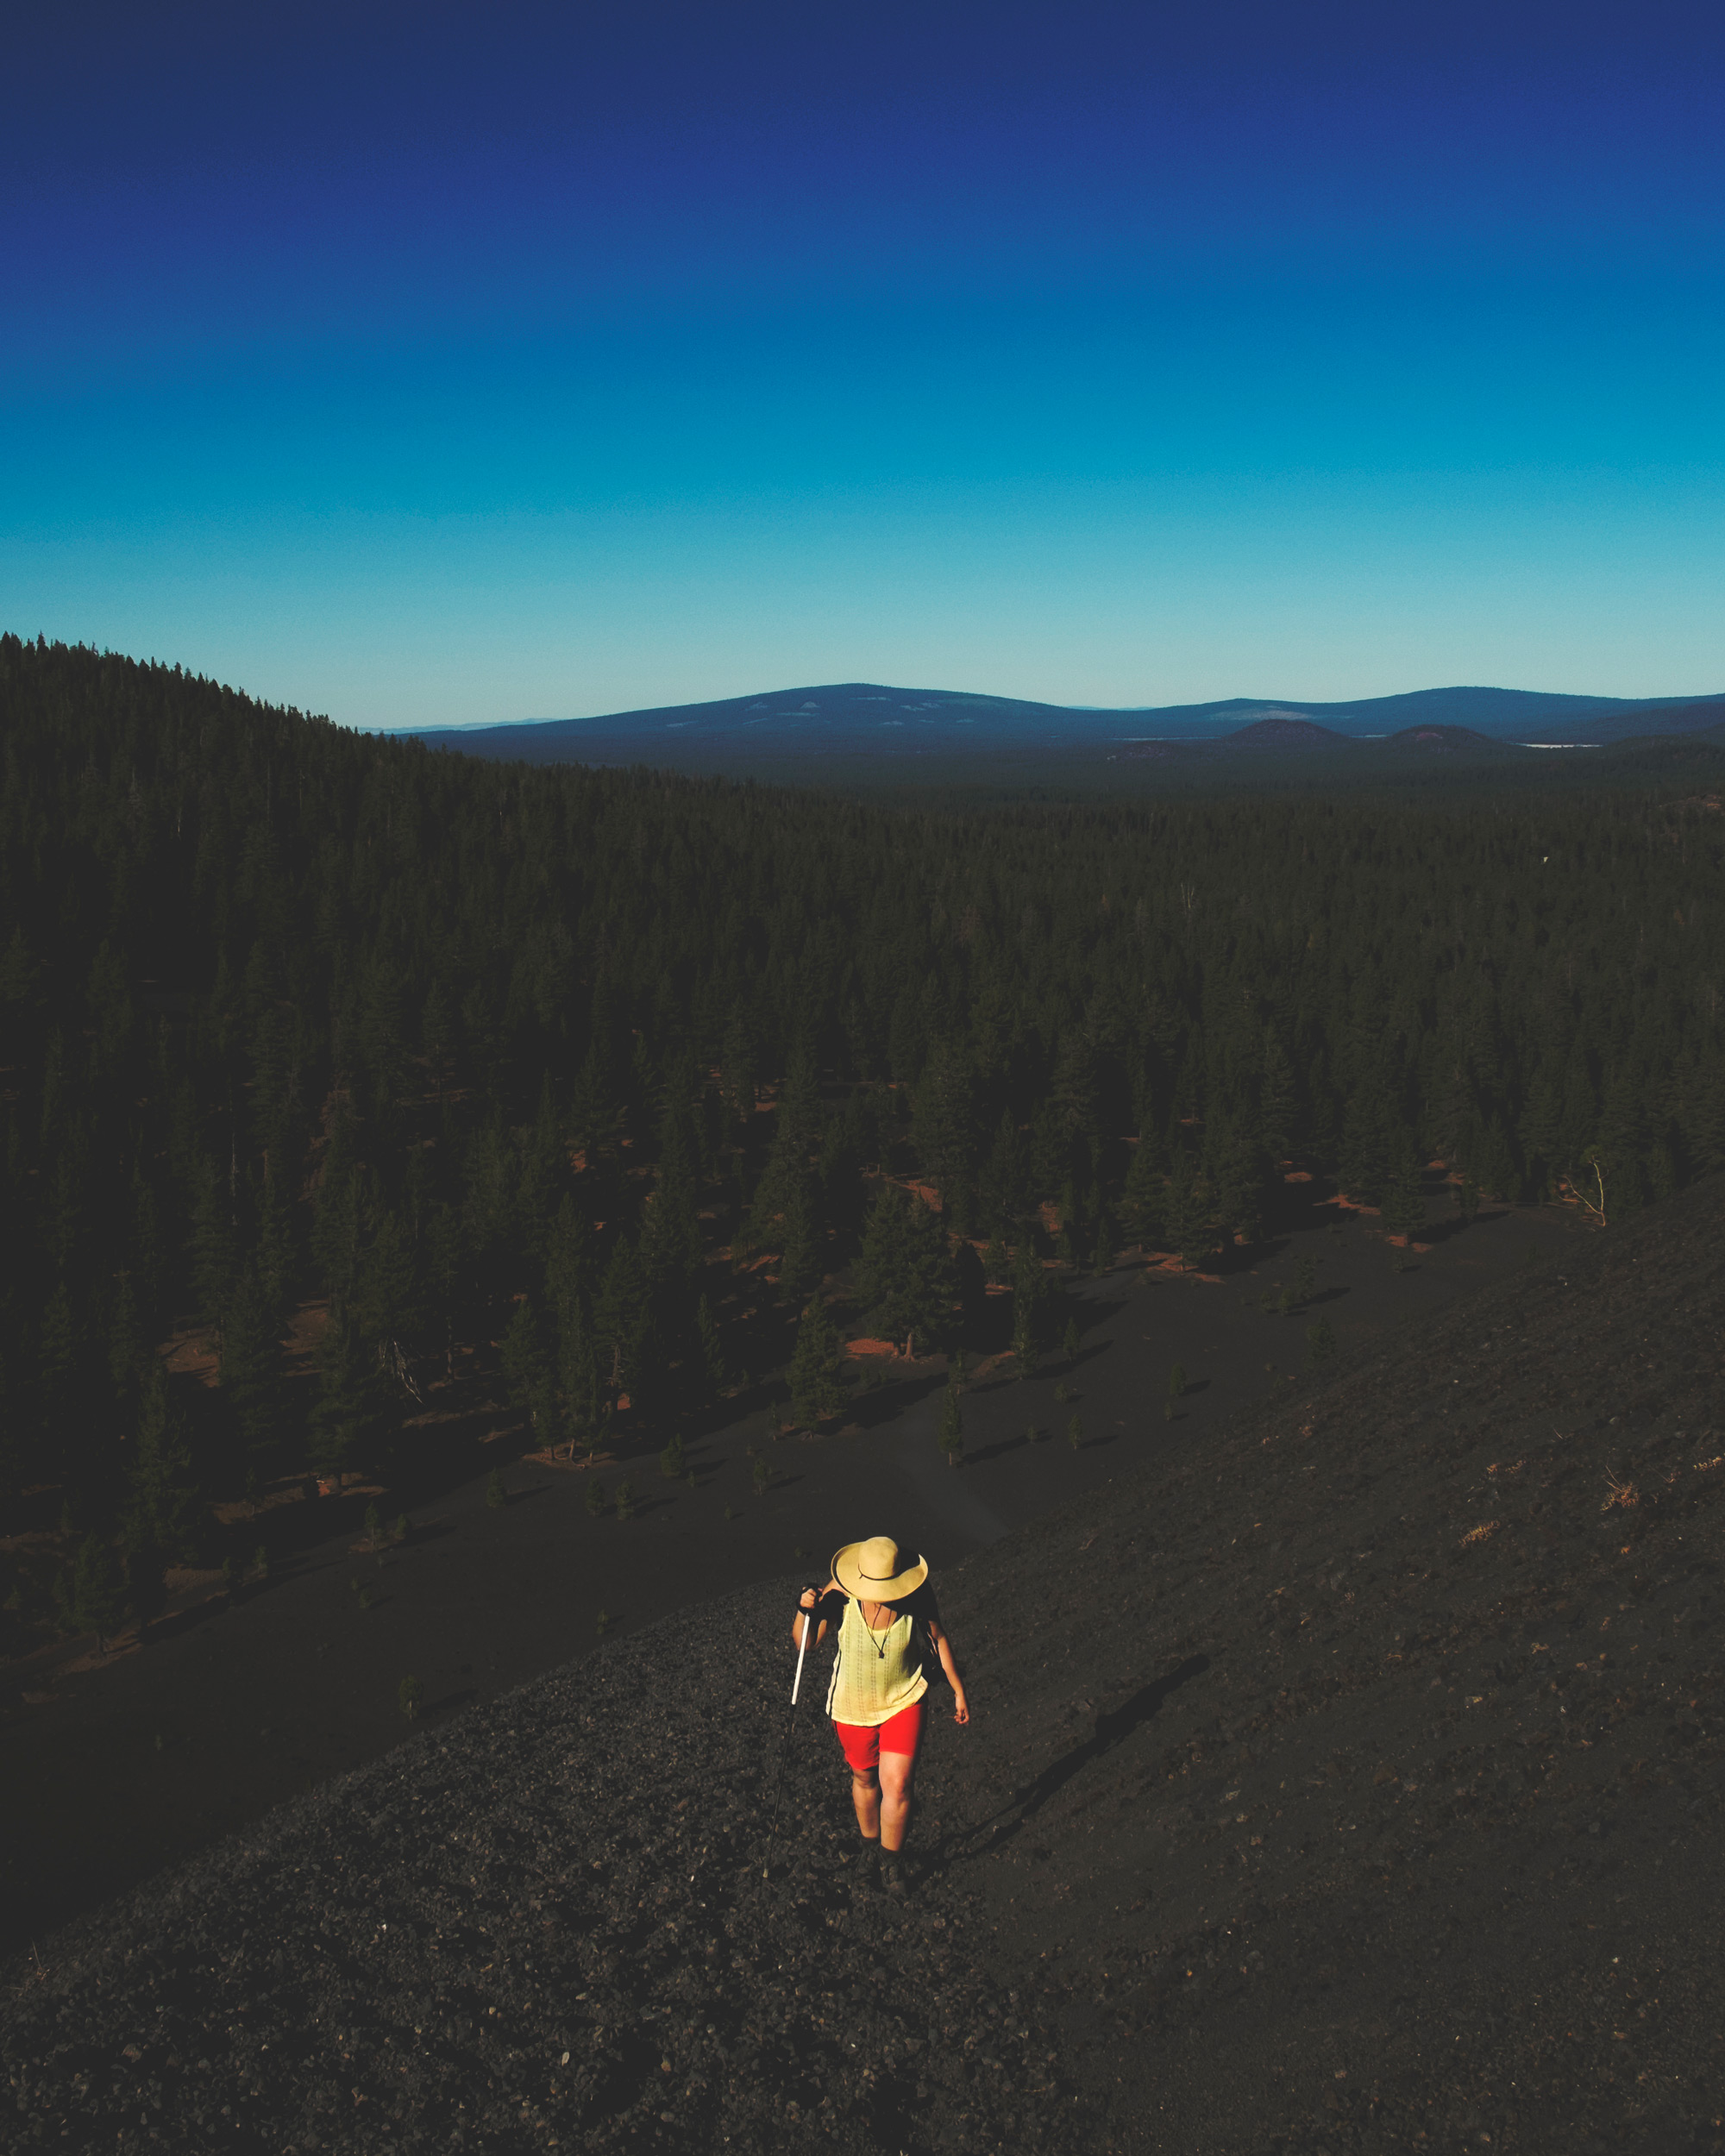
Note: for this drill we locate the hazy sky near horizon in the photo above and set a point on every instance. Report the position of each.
(450, 364)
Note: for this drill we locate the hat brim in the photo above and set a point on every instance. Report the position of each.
(846, 1572)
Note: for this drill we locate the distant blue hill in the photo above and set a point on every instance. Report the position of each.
(866, 718)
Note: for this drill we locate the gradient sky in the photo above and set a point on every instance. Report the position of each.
(449, 365)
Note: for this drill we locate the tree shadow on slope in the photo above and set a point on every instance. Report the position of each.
(1111, 1729)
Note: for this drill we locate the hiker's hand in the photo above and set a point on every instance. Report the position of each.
(961, 1708)
(807, 1599)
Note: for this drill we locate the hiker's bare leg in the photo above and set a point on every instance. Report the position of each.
(865, 1794)
(895, 1798)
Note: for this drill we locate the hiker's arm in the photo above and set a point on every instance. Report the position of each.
(960, 1705)
(811, 1601)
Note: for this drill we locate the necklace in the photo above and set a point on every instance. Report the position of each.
(880, 1639)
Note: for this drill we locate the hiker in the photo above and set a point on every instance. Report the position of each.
(888, 1626)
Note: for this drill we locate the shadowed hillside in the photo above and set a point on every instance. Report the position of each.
(1354, 1786)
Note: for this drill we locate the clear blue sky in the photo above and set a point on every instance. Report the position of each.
(445, 365)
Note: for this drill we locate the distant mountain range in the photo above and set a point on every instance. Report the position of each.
(865, 718)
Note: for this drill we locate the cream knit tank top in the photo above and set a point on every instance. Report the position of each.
(869, 1689)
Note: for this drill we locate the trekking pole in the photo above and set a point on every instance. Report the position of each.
(808, 1617)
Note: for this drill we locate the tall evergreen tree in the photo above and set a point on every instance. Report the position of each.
(164, 1508)
(816, 1392)
(251, 1374)
(905, 1275)
(353, 1418)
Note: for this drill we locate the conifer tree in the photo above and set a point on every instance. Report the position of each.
(389, 1305)
(98, 1592)
(621, 1313)
(1001, 1184)
(816, 1392)
(711, 1341)
(1143, 1199)
(165, 1504)
(578, 1377)
(250, 1374)
(353, 1419)
(904, 1274)
(1277, 1098)
(274, 1260)
(571, 1266)
(337, 1229)
(800, 1268)
(1187, 1212)
(215, 1252)
(1030, 1299)
(1404, 1198)
(671, 1251)
(527, 1369)
(943, 1119)
(128, 1350)
(952, 1421)
(445, 1256)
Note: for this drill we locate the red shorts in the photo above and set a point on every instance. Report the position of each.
(864, 1744)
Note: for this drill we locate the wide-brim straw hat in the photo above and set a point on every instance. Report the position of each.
(875, 1570)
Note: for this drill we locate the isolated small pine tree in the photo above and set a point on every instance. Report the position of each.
(1030, 1305)
(410, 1697)
(625, 1501)
(713, 1372)
(595, 1496)
(764, 1476)
(1320, 1342)
(1069, 1342)
(496, 1496)
(952, 1424)
(374, 1524)
(671, 1459)
(1176, 1381)
(1075, 1433)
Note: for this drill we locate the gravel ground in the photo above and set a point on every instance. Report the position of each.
(1367, 1790)
(563, 1922)
(1348, 1784)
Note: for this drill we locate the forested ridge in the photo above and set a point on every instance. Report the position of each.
(528, 1069)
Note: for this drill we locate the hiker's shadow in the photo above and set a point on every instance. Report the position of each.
(1111, 1730)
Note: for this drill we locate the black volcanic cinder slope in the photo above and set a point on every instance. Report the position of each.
(1360, 1782)
(564, 1922)
(1352, 1786)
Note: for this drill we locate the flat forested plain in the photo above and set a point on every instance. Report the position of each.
(374, 1117)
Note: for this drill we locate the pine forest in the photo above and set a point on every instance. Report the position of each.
(352, 1069)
